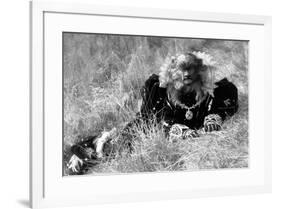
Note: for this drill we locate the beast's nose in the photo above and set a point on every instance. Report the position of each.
(185, 74)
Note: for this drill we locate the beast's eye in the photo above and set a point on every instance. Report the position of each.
(182, 65)
(190, 70)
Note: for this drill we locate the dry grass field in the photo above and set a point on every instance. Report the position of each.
(103, 75)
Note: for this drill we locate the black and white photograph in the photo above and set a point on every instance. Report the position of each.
(134, 104)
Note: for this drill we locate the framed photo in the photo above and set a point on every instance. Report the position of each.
(135, 104)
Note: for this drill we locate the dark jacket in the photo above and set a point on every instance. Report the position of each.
(156, 103)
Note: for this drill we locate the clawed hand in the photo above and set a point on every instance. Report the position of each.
(179, 131)
(75, 163)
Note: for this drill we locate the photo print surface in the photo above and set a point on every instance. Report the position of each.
(136, 104)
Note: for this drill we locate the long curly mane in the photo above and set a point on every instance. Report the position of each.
(171, 76)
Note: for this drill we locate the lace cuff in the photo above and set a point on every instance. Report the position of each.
(213, 119)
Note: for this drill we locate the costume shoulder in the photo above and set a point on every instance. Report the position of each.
(151, 88)
(152, 95)
(225, 101)
(151, 81)
(148, 85)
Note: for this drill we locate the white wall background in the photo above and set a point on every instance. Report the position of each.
(14, 94)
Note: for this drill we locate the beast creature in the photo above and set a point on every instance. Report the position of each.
(183, 99)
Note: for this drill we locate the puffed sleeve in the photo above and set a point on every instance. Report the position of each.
(152, 96)
(225, 102)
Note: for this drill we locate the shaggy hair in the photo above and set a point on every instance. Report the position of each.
(171, 74)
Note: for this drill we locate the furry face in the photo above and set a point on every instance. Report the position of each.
(188, 67)
(185, 74)
(181, 70)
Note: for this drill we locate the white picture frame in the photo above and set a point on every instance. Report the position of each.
(49, 188)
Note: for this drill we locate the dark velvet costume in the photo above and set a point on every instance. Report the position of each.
(156, 103)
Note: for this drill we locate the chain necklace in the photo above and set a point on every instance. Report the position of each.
(189, 113)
